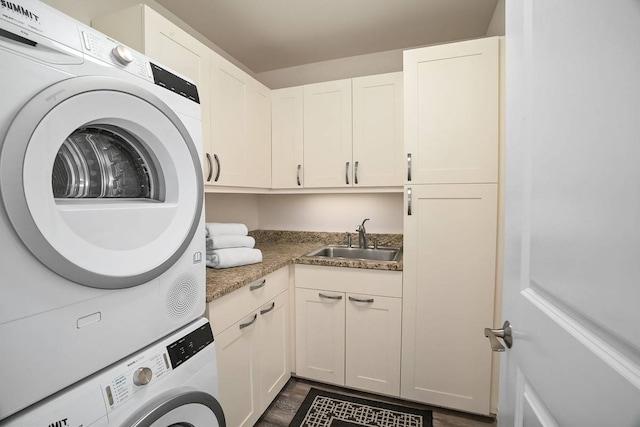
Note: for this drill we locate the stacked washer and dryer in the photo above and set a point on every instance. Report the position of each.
(101, 231)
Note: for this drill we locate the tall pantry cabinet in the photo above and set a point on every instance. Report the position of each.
(452, 142)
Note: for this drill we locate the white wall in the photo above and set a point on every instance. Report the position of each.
(308, 212)
(331, 212)
(497, 24)
(241, 208)
(336, 69)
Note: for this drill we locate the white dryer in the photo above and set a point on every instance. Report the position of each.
(172, 383)
(101, 216)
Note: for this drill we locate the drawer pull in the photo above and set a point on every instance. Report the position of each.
(244, 325)
(266, 310)
(336, 297)
(258, 286)
(367, 300)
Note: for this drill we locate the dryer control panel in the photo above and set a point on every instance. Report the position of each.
(104, 48)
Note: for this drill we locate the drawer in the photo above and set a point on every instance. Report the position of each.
(231, 308)
(354, 280)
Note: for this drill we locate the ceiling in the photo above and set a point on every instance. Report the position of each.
(267, 35)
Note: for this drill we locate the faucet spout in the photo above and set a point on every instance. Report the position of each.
(362, 235)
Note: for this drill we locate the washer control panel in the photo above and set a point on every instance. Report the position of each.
(153, 364)
(189, 345)
(138, 373)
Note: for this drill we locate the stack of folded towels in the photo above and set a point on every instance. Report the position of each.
(228, 245)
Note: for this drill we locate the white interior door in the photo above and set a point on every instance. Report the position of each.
(572, 228)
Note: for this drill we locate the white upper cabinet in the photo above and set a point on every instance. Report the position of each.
(145, 30)
(378, 158)
(337, 134)
(327, 134)
(241, 127)
(452, 112)
(287, 137)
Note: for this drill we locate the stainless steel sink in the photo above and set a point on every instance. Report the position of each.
(339, 251)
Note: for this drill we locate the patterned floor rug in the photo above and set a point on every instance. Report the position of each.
(325, 409)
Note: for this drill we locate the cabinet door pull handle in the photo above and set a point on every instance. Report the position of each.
(266, 310)
(258, 286)
(210, 164)
(346, 173)
(409, 201)
(249, 323)
(367, 300)
(409, 167)
(336, 297)
(217, 159)
(355, 172)
(298, 175)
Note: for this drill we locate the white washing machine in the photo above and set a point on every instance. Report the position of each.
(101, 216)
(174, 383)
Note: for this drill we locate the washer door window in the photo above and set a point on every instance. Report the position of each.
(187, 409)
(101, 180)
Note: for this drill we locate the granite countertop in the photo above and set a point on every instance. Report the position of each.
(280, 249)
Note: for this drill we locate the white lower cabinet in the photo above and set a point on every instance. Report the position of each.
(320, 335)
(253, 353)
(348, 327)
(449, 293)
(372, 354)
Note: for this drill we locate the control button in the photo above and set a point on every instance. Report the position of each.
(122, 54)
(87, 42)
(142, 376)
(149, 71)
(110, 396)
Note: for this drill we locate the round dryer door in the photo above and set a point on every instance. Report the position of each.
(188, 409)
(101, 180)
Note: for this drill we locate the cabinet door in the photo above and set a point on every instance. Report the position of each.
(448, 295)
(229, 122)
(320, 322)
(237, 355)
(258, 152)
(451, 95)
(378, 140)
(241, 127)
(275, 368)
(327, 134)
(287, 137)
(373, 327)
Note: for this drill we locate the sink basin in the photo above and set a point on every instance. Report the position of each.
(338, 251)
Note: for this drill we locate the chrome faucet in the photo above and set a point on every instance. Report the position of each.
(362, 235)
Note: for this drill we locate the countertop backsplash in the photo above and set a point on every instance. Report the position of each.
(327, 238)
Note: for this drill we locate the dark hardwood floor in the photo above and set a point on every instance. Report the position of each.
(284, 407)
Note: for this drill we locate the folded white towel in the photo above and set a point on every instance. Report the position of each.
(226, 228)
(229, 241)
(233, 257)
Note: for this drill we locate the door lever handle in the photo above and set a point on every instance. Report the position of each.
(505, 333)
